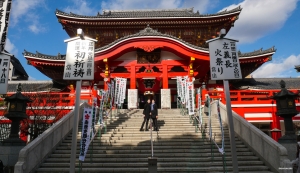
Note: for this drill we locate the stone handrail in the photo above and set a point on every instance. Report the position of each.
(32, 155)
(271, 152)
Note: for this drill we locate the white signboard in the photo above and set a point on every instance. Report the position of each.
(5, 6)
(165, 98)
(79, 64)
(4, 69)
(117, 91)
(86, 131)
(224, 61)
(132, 98)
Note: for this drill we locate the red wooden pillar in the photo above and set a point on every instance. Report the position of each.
(132, 77)
(275, 125)
(105, 85)
(165, 76)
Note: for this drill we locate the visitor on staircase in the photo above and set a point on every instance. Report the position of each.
(146, 112)
(154, 114)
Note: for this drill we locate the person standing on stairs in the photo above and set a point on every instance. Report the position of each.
(146, 112)
(154, 114)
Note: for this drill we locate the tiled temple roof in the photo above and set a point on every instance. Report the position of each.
(266, 83)
(150, 13)
(44, 56)
(257, 52)
(34, 86)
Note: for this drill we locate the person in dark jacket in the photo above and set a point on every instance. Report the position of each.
(146, 113)
(154, 114)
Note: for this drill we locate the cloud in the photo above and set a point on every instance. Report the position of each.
(81, 7)
(163, 4)
(259, 18)
(281, 68)
(21, 8)
(26, 10)
(11, 48)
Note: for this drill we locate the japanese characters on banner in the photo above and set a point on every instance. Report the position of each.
(179, 80)
(191, 99)
(94, 106)
(122, 86)
(5, 8)
(186, 78)
(124, 89)
(4, 69)
(102, 98)
(199, 106)
(79, 62)
(112, 90)
(108, 92)
(117, 90)
(85, 134)
(224, 61)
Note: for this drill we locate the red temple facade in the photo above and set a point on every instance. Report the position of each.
(151, 47)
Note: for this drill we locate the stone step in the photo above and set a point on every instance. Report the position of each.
(96, 146)
(86, 164)
(177, 159)
(146, 155)
(137, 151)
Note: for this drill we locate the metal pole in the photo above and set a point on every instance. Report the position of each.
(75, 128)
(231, 127)
(151, 138)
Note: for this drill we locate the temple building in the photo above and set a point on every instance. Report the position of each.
(148, 47)
(151, 47)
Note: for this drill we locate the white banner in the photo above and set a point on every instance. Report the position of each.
(86, 131)
(191, 99)
(122, 86)
(117, 90)
(124, 89)
(186, 79)
(4, 20)
(112, 92)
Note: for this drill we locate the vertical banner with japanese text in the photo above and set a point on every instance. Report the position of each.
(117, 91)
(86, 131)
(191, 99)
(112, 91)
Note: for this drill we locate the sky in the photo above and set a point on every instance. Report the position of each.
(262, 24)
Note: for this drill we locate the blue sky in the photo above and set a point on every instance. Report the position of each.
(261, 24)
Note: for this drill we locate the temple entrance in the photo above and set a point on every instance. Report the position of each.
(142, 99)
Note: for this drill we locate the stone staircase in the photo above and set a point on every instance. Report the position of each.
(178, 148)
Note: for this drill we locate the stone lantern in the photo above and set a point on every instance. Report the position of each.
(286, 108)
(16, 112)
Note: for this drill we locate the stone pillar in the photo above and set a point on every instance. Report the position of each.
(152, 165)
(165, 98)
(132, 98)
(10, 155)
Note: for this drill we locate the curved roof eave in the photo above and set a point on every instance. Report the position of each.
(60, 13)
(110, 46)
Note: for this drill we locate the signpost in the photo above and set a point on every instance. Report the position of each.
(224, 65)
(4, 69)
(79, 65)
